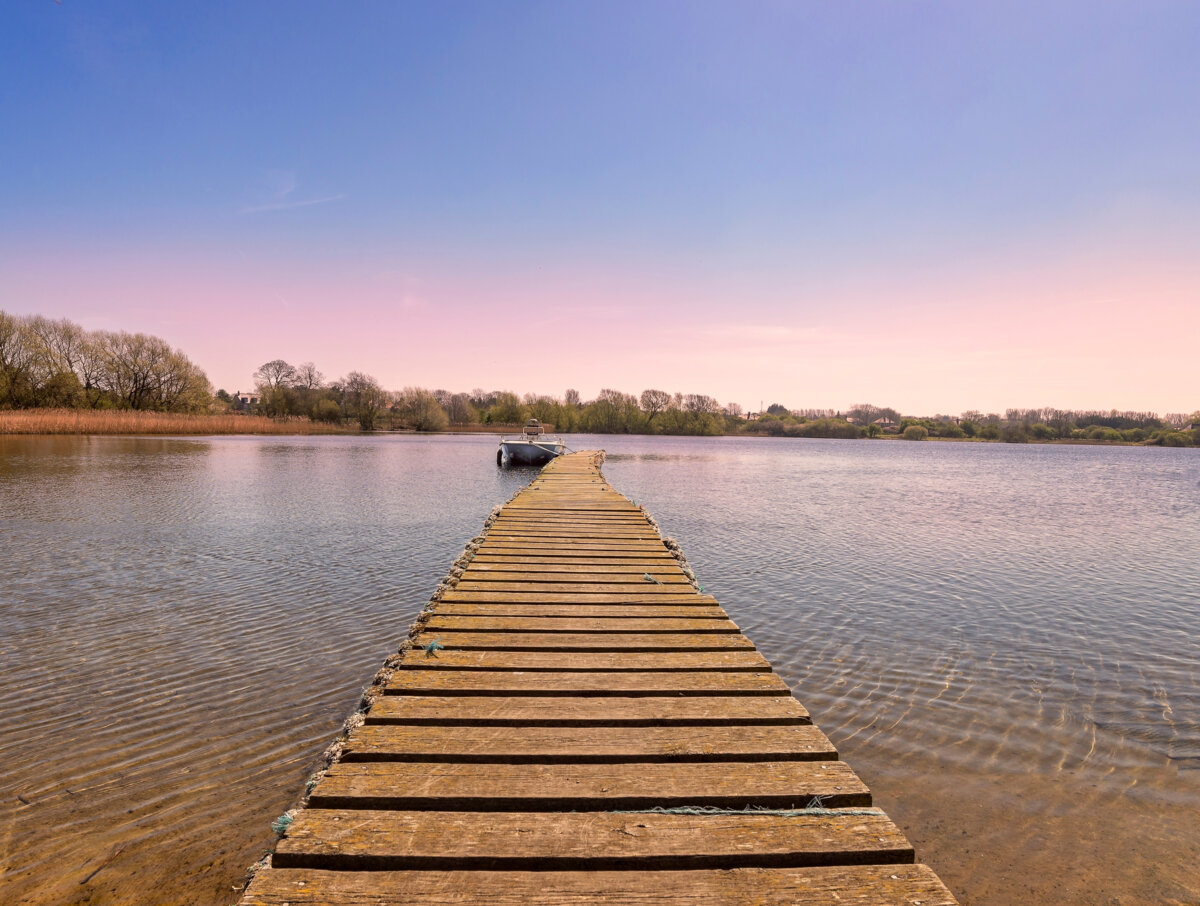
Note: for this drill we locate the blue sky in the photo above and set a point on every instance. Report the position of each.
(762, 199)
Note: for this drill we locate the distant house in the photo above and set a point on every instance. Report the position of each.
(884, 422)
(245, 400)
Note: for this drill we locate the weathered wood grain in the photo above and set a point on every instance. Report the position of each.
(865, 885)
(627, 683)
(594, 641)
(615, 745)
(697, 610)
(577, 577)
(587, 661)
(546, 597)
(584, 841)
(587, 711)
(576, 624)
(582, 787)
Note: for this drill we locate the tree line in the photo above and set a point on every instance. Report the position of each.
(53, 364)
(283, 390)
(47, 363)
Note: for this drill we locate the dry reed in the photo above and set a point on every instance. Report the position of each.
(107, 421)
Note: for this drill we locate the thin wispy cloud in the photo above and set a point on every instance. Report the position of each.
(280, 184)
(285, 205)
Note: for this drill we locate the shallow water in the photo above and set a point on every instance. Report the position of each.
(1000, 639)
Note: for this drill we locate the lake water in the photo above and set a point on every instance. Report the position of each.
(1002, 640)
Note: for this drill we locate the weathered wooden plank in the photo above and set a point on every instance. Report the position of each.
(544, 555)
(597, 600)
(645, 589)
(512, 542)
(615, 745)
(569, 526)
(695, 611)
(561, 529)
(552, 597)
(565, 641)
(581, 711)
(626, 683)
(577, 576)
(439, 622)
(585, 661)
(531, 568)
(584, 841)
(576, 787)
(861, 885)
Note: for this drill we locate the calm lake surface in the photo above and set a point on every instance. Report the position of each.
(1002, 640)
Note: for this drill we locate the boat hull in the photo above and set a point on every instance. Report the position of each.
(528, 453)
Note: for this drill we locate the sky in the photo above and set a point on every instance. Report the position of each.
(933, 206)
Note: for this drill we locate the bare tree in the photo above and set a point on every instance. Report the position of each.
(654, 402)
(307, 377)
(275, 374)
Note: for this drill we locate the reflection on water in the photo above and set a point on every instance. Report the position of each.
(1000, 639)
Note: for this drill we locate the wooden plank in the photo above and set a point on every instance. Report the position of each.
(860, 885)
(570, 556)
(622, 588)
(695, 611)
(578, 576)
(626, 683)
(546, 528)
(615, 745)
(530, 567)
(558, 540)
(449, 711)
(577, 787)
(585, 661)
(702, 626)
(583, 841)
(565, 641)
(548, 597)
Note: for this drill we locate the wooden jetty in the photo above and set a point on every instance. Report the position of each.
(577, 723)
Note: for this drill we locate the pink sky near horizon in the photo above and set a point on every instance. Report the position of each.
(934, 207)
(1088, 330)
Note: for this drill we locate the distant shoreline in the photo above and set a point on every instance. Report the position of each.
(84, 422)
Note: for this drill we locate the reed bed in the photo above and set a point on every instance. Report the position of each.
(107, 421)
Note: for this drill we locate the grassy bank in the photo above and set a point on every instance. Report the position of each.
(101, 421)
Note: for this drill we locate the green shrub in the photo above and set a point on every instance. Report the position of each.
(989, 432)
(949, 429)
(1042, 431)
(824, 427)
(1175, 439)
(916, 432)
(327, 411)
(1014, 434)
(1100, 432)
